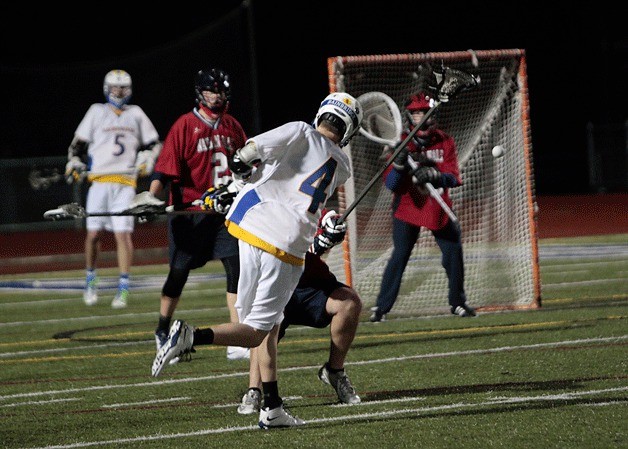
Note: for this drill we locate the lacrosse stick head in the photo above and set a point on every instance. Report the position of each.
(69, 211)
(448, 82)
(382, 119)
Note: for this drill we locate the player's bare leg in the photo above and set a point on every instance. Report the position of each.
(267, 356)
(237, 334)
(124, 247)
(252, 399)
(233, 314)
(235, 352)
(345, 306)
(92, 249)
(168, 305)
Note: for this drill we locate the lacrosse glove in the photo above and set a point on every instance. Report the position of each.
(331, 232)
(74, 169)
(218, 199)
(427, 174)
(421, 158)
(144, 199)
(400, 163)
(144, 163)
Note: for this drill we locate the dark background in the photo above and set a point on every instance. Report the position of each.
(54, 59)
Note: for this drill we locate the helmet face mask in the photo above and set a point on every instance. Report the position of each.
(342, 110)
(117, 88)
(420, 102)
(216, 81)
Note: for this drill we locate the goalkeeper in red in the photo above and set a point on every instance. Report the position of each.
(413, 208)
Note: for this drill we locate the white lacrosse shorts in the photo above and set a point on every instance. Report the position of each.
(109, 197)
(264, 287)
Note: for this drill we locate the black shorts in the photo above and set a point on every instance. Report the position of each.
(307, 304)
(195, 239)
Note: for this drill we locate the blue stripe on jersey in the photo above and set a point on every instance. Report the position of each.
(249, 200)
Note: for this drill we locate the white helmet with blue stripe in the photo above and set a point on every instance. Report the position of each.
(344, 111)
(121, 79)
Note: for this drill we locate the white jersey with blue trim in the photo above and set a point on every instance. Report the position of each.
(280, 207)
(114, 139)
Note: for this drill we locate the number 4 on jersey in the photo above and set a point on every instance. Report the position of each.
(316, 184)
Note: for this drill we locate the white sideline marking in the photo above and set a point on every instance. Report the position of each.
(57, 350)
(359, 416)
(104, 296)
(152, 401)
(50, 401)
(99, 317)
(383, 401)
(302, 368)
(589, 282)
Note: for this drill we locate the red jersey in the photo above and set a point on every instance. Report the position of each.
(419, 209)
(195, 154)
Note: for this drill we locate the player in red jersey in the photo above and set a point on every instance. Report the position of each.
(413, 207)
(195, 155)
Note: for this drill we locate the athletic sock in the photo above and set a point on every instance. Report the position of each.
(164, 324)
(334, 371)
(271, 395)
(90, 276)
(123, 282)
(203, 336)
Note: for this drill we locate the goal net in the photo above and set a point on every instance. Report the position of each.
(496, 204)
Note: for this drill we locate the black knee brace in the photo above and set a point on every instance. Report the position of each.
(232, 270)
(175, 282)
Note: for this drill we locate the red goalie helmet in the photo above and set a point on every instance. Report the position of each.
(421, 102)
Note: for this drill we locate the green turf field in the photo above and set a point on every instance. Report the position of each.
(73, 376)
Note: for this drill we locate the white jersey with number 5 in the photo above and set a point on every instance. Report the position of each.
(279, 209)
(114, 139)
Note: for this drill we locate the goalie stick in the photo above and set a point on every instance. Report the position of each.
(72, 211)
(448, 83)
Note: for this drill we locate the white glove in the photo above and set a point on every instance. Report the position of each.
(75, 170)
(145, 163)
(333, 233)
(332, 227)
(75, 164)
(145, 199)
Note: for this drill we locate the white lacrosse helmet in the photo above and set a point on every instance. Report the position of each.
(117, 78)
(343, 110)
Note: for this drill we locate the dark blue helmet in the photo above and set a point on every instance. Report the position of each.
(213, 80)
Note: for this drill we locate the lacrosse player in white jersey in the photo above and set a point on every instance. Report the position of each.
(114, 144)
(293, 170)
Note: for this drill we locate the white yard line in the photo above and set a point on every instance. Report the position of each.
(349, 417)
(156, 383)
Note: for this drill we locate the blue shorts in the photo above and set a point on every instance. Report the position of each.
(195, 239)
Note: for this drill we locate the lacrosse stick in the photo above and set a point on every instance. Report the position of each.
(73, 211)
(447, 83)
(382, 124)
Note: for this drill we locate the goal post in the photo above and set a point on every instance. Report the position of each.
(496, 205)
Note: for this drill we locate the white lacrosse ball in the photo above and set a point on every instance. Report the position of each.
(498, 151)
